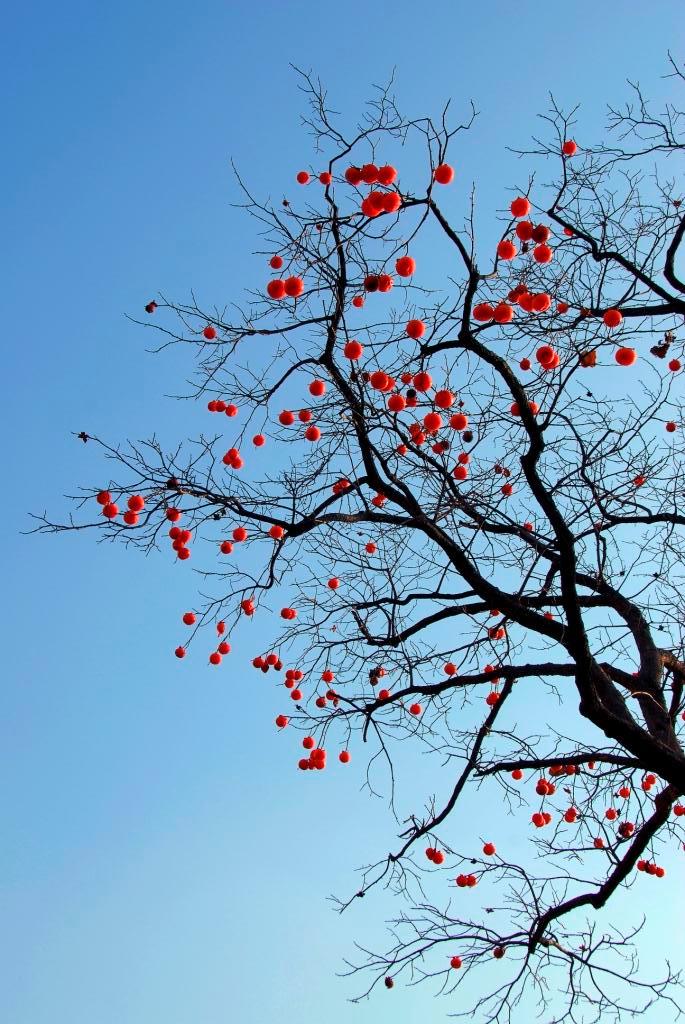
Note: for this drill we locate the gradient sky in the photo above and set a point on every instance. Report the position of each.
(161, 861)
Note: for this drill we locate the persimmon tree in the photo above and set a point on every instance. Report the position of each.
(473, 540)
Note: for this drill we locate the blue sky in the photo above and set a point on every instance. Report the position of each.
(160, 860)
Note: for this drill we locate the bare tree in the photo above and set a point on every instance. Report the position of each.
(474, 544)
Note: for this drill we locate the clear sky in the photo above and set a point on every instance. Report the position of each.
(161, 860)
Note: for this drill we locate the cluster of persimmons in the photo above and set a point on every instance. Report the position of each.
(440, 419)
